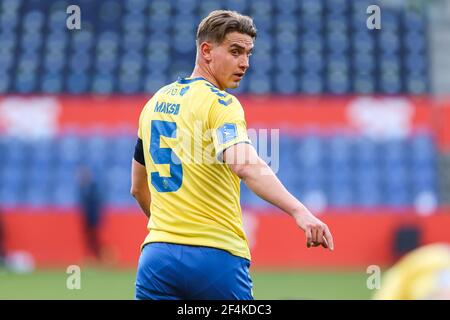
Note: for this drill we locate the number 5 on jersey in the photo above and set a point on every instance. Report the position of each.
(165, 156)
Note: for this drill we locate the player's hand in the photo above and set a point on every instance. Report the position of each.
(316, 232)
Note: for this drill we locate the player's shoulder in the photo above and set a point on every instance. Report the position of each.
(221, 98)
(205, 90)
(165, 89)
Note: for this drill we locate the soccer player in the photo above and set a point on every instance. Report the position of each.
(192, 151)
(422, 274)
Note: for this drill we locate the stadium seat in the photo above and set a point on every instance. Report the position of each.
(306, 33)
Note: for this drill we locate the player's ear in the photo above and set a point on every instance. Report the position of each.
(205, 50)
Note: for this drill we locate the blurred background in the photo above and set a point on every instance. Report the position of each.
(363, 138)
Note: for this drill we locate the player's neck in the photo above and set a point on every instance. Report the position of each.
(200, 72)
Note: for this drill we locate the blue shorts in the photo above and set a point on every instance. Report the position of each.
(168, 271)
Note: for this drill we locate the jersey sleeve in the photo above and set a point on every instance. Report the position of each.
(227, 124)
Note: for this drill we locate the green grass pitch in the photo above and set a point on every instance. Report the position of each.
(106, 284)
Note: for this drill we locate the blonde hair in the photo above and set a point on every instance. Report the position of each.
(219, 23)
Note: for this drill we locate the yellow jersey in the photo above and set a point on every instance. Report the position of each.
(195, 197)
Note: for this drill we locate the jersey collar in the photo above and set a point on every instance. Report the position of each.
(181, 80)
(189, 80)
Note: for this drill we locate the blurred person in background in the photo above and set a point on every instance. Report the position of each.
(422, 274)
(91, 206)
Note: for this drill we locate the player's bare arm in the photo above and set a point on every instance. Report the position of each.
(244, 161)
(139, 186)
